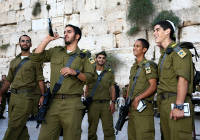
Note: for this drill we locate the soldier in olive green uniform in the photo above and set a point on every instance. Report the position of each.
(175, 70)
(3, 103)
(141, 124)
(24, 81)
(66, 108)
(100, 107)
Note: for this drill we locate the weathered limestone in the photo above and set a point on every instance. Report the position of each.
(104, 26)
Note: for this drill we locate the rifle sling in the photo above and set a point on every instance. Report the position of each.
(61, 78)
(97, 83)
(134, 81)
(22, 62)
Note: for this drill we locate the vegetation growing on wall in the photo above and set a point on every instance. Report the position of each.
(4, 46)
(36, 9)
(167, 15)
(138, 13)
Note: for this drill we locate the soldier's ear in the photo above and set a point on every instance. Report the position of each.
(167, 31)
(77, 36)
(144, 50)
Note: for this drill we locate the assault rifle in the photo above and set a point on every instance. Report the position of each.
(50, 28)
(48, 98)
(123, 113)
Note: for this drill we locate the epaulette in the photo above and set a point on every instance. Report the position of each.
(147, 66)
(178, 49)
(85, 53)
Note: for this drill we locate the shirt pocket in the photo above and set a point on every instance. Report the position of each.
(56, 65)
(167, 71)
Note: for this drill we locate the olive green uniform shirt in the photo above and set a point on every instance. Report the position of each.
(103, 90)
(173, 67)
(142, 82)
(27, 76)
(58, 57)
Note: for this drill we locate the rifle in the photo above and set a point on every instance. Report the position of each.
(48, 98)
(123, 113)
(50, 28)
(86, 102)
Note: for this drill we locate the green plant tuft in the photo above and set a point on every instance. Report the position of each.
(36, 9)
(48, 7)
(4, 46)
(167, 15)
(133, 30)
(139, 12)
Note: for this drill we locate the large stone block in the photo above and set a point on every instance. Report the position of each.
(78, 6)
(105, 41)
(26, 3)
(117, 26)
(11, 17)
(68, 6)
(4, 6)
(189, 15)
(60, 8)
(95, 28)
(73, 19)
(182, 4)
(89, 5)
(190, 33)
(24, 26)
(39, 24)
(121, 40)
(4, 30)
(113, 14)
(53, 10)
(27, 13)
(93, 16)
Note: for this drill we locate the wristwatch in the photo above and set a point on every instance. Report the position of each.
(77, 72)
(180, 106)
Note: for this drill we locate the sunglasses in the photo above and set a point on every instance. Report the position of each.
(27, 41)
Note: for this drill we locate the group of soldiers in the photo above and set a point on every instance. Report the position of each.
(73, 69)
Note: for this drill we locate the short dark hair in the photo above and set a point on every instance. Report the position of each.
(101, 53)
(25, 36)
(145, 43)
(167, 25)
(77, 30)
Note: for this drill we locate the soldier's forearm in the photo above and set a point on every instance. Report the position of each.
(41, 85)
(42, 45)
(5, 87)
(82, 77)
(182, 88)
(113, 96)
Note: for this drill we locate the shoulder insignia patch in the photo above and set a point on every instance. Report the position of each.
(147, 68)
(180, 51)
(110, 69)
(91, 60)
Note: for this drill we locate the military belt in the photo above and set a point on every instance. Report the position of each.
(17, 91)
(64, 96)
(101, 101)
(167, 95)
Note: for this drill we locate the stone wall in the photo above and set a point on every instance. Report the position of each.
(103, 22)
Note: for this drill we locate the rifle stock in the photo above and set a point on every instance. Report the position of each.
(48, 98)
(123, 113)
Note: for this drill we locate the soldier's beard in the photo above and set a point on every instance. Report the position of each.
(67, 43)
(25, 49)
